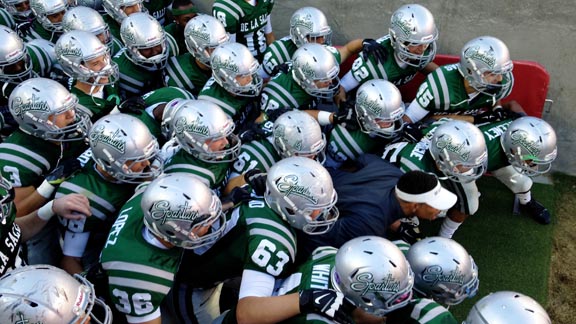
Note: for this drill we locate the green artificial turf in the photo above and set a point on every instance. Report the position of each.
(512, 252)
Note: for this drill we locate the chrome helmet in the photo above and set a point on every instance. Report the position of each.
(7, 208)
(115, 8)
(93, 4)
(74, 50)
(444, 271)
(12, 52)
(483, 57)
(44, 8)
(507, 307)
(296, 133)
(49, 295)
(231, 62)
(170, 109)
(373, 273)
(19, 16)
(199, 123)
(530, 145)
(118, 142)
(315, 69)
(308, 24)
(379, 108)
(459, 149)
(177, 206)
(35, 103)
(301, 191)
(87, 19)
(413, 25)
(142, 31)
(202, 35)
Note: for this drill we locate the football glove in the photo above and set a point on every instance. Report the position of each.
(328, 303)
(134, 105)
(256, 178)
(371, 48)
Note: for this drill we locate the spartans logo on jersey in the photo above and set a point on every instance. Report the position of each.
(289, 185)
(35, 103)
(520, 138)
(364, 284)
(435, 274)
(113, 140)
(444, 142)
(69, 49)
(195, 127)
(161, 211)
(487, 58)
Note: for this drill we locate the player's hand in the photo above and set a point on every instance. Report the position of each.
(275, 113)
(412, 132)
(256, 178)
(486, 117)
(346, 116)
(72, 206)
(409, 233)
(328, 303)
(371, 48)
(63, 171)
(236, 196)
(134, 105)
(253, 133)
(284, 68)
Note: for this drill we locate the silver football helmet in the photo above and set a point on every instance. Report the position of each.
(315, 69)
(6, 200)
(236, 70)
(87, 19)
(93, 4)
(373, 273)
(73, 51)
(44, 8)
(49, 295)
(296, 133)
(507, 307)
(530, 145)
(177, 205)
(35, 103)
(379, 108)
(142, 31)
(198, 123)
(115, 8)
(202, 35)
(413, 25)
(484, 56)
(170, 109)
(301, 191)
(19, 16)
(118, 142)
(459, 149)
(444, 271)
(12, 52)
(308, 24)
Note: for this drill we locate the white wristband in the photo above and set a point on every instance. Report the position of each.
(324, 118)
(45, 189)
(45, 212)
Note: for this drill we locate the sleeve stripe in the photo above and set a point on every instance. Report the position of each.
(261, 153)
(171, 70)
(28, 152)
(323, 251)
(21, 162)
(228, 109)
(279, 93)
(133, 267)
(229, 7)
(139, 284)
(341, 135)
(408, 165)
(90, 195)
(444, 88)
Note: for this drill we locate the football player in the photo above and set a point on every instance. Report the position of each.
(47, 23)
(507, 307)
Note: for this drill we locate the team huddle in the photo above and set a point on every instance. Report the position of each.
(163, 165)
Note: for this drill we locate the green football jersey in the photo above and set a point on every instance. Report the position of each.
(421, 311)
(492, 133)
(184, 72)
(346, 145)
(113, 25)
(283, 92)
(140, 275)
(280, 51)
(105, 197)
(443, 92)
(246, 21)
(257, 239)
(236, 107)
(98, 107)
(255, 154)
(157, 9)
(212, 174)
(6, 19)
(178, 33)
(25, 159)
(34, 30)
(165, 94)
(365, 70)
(10, 242)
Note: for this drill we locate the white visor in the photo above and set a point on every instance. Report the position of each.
(438, 197)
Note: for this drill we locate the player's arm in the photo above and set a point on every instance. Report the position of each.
(430, 67)
(157, 320)
(268, 33)
(419, 107)
(73, 206)
(27, 200)
(353, 47)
